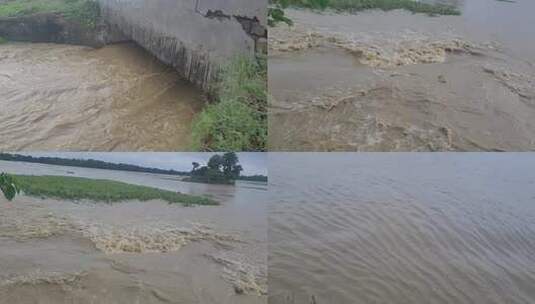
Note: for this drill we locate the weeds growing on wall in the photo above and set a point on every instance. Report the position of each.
(237, 121)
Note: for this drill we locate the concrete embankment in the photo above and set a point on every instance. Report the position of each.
(194, 36)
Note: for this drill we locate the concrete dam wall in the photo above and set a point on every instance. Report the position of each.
(194, 36)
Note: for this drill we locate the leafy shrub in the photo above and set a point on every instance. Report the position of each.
(238, 120)
(8, 186)
(229, 126)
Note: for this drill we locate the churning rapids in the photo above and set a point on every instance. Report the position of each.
(117, 98)
(397, 81)
(132, 252)
(416, 228)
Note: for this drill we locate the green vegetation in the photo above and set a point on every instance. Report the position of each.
(238, 120)
(3, 40)
(98, 164)
(221, 169)
(276, 11)
(386, 5)
(8, 186)
(86, 12)
(76, 188)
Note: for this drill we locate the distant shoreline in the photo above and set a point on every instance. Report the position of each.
(97, 164)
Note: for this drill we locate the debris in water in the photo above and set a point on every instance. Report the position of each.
(25, 224)
(38, 277)
(411, 48)
(112, 240)
(245, 277)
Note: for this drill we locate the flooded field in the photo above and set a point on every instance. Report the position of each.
(397, 81)
(118, 98)
(405, 228)
(133, 252)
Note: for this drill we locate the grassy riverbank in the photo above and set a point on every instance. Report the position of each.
(3, 40)
(76, 188)
(86, 12)
(386, 5)
(237, 121)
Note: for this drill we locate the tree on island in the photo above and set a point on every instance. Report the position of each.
(220, 169)
(215, 162)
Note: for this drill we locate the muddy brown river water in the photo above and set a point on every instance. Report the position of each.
(397, 81)
(55, 251)
(416, 228)
(118, 98)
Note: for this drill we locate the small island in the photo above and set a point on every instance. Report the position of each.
(220, 169)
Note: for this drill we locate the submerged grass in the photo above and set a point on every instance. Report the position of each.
(414, 6)
(87, 12)
(99, 190)
(238, 120)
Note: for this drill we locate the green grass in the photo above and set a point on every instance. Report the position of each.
(19, 8)
(87, 12)
(238, 120)
(3, 40)
(98, 190)
(386, 5)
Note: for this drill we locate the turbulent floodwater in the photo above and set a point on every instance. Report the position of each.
(405, 228)
(132, 252)
(407, 83)
(63, 97)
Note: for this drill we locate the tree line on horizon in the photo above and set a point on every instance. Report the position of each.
(98, 164)
(86, 163)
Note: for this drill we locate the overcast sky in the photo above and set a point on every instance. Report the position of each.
(253, 163)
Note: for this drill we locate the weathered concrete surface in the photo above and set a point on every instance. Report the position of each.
(194, 36)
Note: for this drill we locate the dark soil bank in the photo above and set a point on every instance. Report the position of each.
(55, 28)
